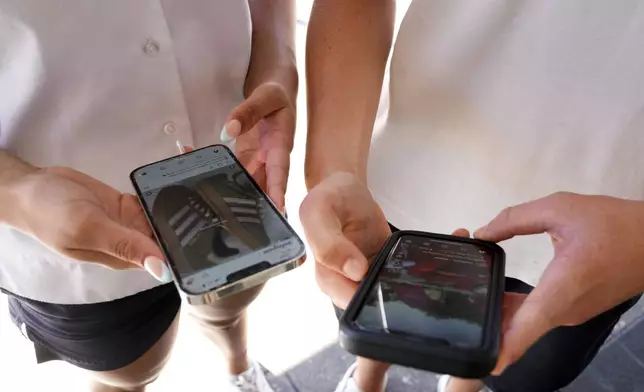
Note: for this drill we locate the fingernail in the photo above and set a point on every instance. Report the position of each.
(181, 147)
(284, 213)
(157, 268)
(230, 131)
(354, 269)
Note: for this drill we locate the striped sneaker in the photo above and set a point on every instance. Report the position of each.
(190, 224)
(239, 205)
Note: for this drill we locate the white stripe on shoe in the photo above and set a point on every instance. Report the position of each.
(245, 202)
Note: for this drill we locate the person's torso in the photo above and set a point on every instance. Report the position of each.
(495, 103)
(105, 87)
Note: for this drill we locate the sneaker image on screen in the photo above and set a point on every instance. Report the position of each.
(238, 205)
(210, 222)
(190, 226)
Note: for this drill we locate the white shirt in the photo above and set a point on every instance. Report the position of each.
(494, 103)
(105, 87)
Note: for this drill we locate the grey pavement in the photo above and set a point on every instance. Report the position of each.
(619, 366)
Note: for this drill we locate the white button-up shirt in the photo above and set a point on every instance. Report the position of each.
(104, 87)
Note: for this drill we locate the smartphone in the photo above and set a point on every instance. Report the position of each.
(220, 233)
(431, 302)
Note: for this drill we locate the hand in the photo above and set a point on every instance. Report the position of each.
(86, 220)
(598, 263)
(345, 229)
(264, 128)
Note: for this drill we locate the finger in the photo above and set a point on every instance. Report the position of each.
(461, 233)
(534, 217)
(183, 149)
(335, 285)
(277, 168)
(99, 258)
(527, 325)
(323, 230)
(131, 246)
(265, 100)
(252, 160)
(511, 304)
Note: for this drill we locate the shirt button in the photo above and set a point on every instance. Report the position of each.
(170, 128)
(151, 47)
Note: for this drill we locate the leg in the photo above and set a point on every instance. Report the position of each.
(455, 384)
(124, 343)
(143, 371)
(224, 323)
(560, 356)
(370, 375)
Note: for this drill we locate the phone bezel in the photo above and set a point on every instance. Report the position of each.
(176, 276)
(422, 353)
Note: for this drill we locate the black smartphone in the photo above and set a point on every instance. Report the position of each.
(219, 231)
(431, 302)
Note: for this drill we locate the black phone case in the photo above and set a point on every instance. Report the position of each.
(426, 354)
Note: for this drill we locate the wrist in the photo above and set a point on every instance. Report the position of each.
(284, 74)
(316, 171)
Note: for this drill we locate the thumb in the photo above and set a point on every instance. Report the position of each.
(524, 328)
(264, 100)
(133, 247)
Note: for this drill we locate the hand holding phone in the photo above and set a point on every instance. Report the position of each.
(345, 228)
(219, 231)
(82, 218)
(431, 302)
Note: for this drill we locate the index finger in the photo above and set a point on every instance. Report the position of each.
(534, 217)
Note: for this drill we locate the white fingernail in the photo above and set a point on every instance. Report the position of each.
(182, 149)
(157, 268)
(224, 136)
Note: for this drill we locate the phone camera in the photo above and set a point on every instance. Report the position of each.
(144, 173)
(216, 151)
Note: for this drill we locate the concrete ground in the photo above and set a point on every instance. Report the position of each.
(292, 332)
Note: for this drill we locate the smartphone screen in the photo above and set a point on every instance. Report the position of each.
(431, 288)
(214, 222)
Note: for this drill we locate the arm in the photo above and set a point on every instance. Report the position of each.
(11, 170)
(347, 49)
(272, 52)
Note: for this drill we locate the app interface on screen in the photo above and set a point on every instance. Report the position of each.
(431, 288)
(212, 219)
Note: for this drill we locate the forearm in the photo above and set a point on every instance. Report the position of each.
(348, 45)
(273, 46)
(12, 170)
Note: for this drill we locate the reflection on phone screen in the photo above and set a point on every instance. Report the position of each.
(212, 219)
(431, 288)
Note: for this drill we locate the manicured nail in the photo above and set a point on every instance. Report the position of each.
(157, 268)
(354, 269)
(181, 147)
(230, 131)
